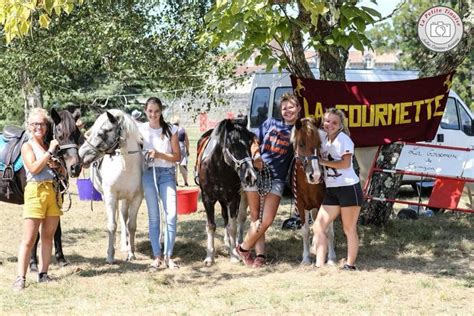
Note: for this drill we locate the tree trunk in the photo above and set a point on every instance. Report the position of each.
(382, 185)
(32, 94)
(332, 63)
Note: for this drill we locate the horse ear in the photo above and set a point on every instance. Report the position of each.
(245, 120)
(55, 116)
(112, 118)
(76, 114)
(298, 124)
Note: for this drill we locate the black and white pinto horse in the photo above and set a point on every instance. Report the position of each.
(13, 175)
(115, 143)
(225, 164)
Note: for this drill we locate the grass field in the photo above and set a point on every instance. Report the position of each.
(409, 267)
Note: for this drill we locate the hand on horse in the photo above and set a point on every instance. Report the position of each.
(53, 163)
(52, 145)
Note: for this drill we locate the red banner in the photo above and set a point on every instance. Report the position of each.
(379, 112)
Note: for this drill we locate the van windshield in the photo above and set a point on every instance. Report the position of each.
(259, 106)
(276, 113)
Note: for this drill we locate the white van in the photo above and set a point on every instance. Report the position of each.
(456, 128)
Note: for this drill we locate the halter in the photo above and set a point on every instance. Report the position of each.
(306, 161)
(112, 148)
(60, 179)
(238, 163)
(65, 146)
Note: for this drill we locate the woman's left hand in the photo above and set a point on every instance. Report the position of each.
(258, 163)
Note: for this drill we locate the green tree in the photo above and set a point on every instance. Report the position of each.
(102, 50)
(401, 35)
(282, 30)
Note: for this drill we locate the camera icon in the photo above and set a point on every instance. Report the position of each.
(440, 29)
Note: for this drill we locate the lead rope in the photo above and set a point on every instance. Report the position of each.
(293, 187)
(60, 180)
(264, 186)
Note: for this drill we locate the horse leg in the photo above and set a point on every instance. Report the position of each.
(111, 206)
(225, 216)
(231, 229)
(306, 239)
(331, 247)
(34, 255)
(242, 217)
(58, 247)
(210, 229)
(132, 225)
(124, 246)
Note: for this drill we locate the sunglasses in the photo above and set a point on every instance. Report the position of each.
(35, 125)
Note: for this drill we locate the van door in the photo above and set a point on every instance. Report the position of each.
(455, 128)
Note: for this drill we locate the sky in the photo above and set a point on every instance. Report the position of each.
(385, 7)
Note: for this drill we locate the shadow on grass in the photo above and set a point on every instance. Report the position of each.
(442, 245)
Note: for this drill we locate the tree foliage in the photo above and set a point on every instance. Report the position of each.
(281, 31)
(401, 35)
(18, 16)
(104, 50)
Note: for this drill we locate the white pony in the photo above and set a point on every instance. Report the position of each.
(115, 138)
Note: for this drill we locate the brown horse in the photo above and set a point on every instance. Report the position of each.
(307, 182)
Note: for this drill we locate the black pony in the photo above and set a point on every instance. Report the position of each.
(12, 172)
(224, 165)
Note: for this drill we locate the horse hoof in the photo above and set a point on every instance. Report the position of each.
(131, 258)
(110, 261)
(234, 260)
(331, 262)
(208, 262)
(33, 267)
(62, 262)
(305, 262)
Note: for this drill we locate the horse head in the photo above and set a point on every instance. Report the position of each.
(69, 137)
(109, 133)
(102, 138)
(236, 140)
(307, 142)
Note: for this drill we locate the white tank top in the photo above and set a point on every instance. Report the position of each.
(153, 139)
(46, 174)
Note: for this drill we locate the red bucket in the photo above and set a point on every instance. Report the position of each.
(187, 201)
(86, 190)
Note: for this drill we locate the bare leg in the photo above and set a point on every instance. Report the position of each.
(349, 217)
(48, 227)
(255, 233)
(30, 232)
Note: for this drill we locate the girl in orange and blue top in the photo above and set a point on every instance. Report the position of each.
(276, 152)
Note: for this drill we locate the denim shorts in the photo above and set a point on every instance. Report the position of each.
(277, 188)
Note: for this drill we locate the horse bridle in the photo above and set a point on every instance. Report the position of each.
(306, 161)
(238, 163)
(65, 146)
(112, 148)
